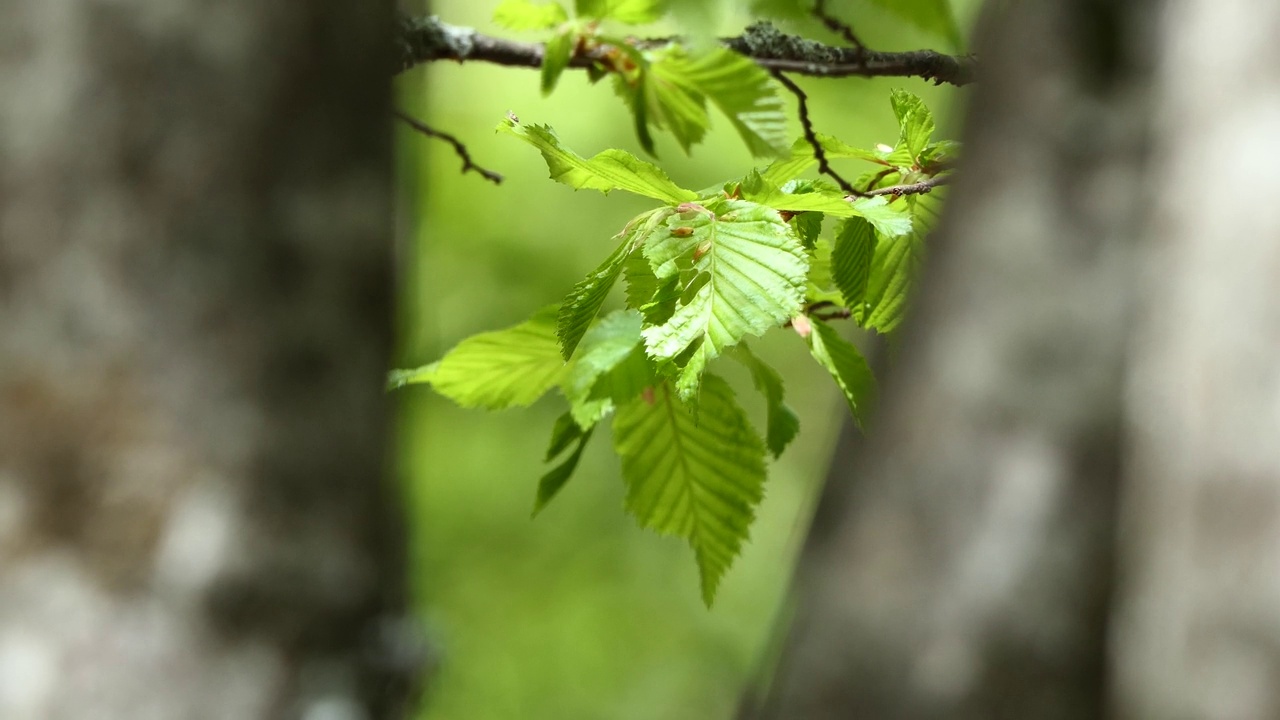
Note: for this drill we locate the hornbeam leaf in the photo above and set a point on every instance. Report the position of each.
(555, 58)
(888, 220)
(606, 345)
(780, 420)
(893, 266)
(699, 476)
(504, 368)
(608, 170)
(527, 15)
(915, 122)
(851, 261)
(557, 477)
(583, 303)
(740, 88)
(397, 379)
(847, 366)
(756, 277)
(632, 12)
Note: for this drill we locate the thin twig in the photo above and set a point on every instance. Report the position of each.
(835, 25)
(824, 167)
(427, 39)
(916, 188)
(458, 147)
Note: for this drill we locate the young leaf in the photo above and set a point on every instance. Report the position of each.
(581, 306)
(781, 421)
(915, 122)
(821, 288)
(851, 261)
(504, 368)
(756, 268)
(557, 477)
(397, 379)
(607, 344)
(888, 220)
(808, 225)
(607, 170)
(673, 103)
(847, 366)
(741, 89)
(893, 266)
(563, 433)
(699, 477)
(631, 12)
(528, 15)
(555, 58)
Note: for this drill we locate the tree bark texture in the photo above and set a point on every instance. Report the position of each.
(194, 324)
(961, 563)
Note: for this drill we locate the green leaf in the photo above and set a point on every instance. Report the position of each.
(397, 379)
(756, 268)
(699, 476)
(631, 12)
(893, 266)
(820, 287)
(607, 170)
(607, 344)
(563, 433)
(792, 166)
(915, 122)
(673, 103)
(847, 366)
(836, 149)
(888, 220)
(931, 16)
(583, 303)
(808, 225)
(781, 421)
(739, 88)
(557, 477)
(555, 58)
(527, 15)
(851, 260)
(504, 368)
(757, 189)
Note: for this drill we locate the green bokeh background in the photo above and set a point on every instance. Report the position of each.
(579, 613)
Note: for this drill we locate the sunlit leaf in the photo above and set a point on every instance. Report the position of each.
(780, 420)
(608, 170)
(699, 477)
(740, 89)
(915, 123)
(847, 367)
(606, 345)
(756, 280)
(528, 15)
(851, 260)
(504, 368)
(632, 12)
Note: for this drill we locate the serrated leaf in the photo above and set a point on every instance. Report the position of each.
(551, 483)
(888, 220)
(583, 303)
(739, 88)
(836, 149)
(941, 151)
(699, 476)
(821, 289)
(757, 189)
(846, 366)
(674, 104)
(555, 58)
(527, 15)
(851, 260)
(397, 379)
(756, 268)
(893, 266)
(799, 160)
(915, 124)
(808, 225)
(504, 368)
(607, 344)
(780, 420)
(608, 170)
(631, 12)
(932, 16)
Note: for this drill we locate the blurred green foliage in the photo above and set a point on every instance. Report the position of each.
(579, 613)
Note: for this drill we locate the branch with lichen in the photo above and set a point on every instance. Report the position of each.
(428, 39)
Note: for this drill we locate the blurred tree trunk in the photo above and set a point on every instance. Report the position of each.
(194, 321)
(1070, 504)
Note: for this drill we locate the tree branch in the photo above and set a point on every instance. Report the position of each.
(427, 39)
(918, 188)
(458, 147)
(806, 123)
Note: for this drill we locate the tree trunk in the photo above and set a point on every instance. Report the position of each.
(195, 521)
